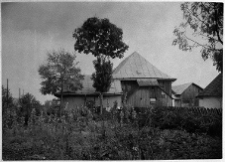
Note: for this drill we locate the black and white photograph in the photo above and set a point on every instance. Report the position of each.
(112, 80)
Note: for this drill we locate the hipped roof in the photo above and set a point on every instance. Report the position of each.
(179, 89)
(88, 88)
(137, 67)
(214, 89)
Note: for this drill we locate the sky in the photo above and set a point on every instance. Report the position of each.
(31, 29)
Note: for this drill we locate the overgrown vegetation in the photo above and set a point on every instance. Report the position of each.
(125, 134)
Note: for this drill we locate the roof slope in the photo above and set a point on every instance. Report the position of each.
(179, 89)
(88, 88)
(214, 89)
(135, 67)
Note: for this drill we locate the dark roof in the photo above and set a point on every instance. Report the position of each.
(88, 88)
(137, 67)
(179, 89)
(214, 89)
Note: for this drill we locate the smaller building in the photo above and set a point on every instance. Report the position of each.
(211, 96)
(185, 95)
(88, 95)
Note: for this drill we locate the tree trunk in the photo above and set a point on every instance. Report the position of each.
(61, 100)
(101, 102)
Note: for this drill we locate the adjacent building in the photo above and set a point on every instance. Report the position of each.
(211, 96)
(184, 95)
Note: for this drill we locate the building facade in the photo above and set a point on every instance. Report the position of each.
(136, 82)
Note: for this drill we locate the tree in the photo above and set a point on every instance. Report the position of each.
(102, 39)
(8, 108)
(205, 21)
(7, 99)
(27, 103)
(60, 72)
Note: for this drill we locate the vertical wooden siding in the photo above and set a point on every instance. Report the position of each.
(140, 96)
(166, 86)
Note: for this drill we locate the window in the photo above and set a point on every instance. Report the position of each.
(152, 101)
(163, 94)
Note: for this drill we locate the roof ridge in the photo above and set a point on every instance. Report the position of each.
(153, 66)
(188, 83)
(122, 62)
(179, 89)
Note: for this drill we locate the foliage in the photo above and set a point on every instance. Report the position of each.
(7, 99)
(27, 103)
(76, 136)
(60, 70)
(102, 78)
(205, 20)
(102, 39)
(52, 107)
(192, 120)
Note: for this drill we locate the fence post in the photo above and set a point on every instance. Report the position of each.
(7, 90)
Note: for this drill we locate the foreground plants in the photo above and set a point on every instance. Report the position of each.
(77, 136)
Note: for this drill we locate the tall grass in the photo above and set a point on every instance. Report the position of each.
(125, 134)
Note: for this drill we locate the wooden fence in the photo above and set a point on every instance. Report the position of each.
(197, 110)
(203, 110)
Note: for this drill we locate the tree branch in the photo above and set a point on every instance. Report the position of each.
(191, 13)
(196, 42)
(208, 37)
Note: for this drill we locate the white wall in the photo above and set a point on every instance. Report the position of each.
(210, 102)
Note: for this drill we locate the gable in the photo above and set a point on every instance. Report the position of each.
(179, 89)
(214, 89)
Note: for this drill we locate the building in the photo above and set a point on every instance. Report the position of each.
(88, 95)
(211, 96)
(135, 81)
(143, 85)
(185, 95)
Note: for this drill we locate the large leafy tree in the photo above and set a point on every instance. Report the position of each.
(102, 39)
(60, 73)
(204, 20)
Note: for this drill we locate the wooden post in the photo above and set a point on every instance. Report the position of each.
(7, 94)
(19, 93)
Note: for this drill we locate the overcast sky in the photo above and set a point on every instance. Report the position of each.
(30, 30)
